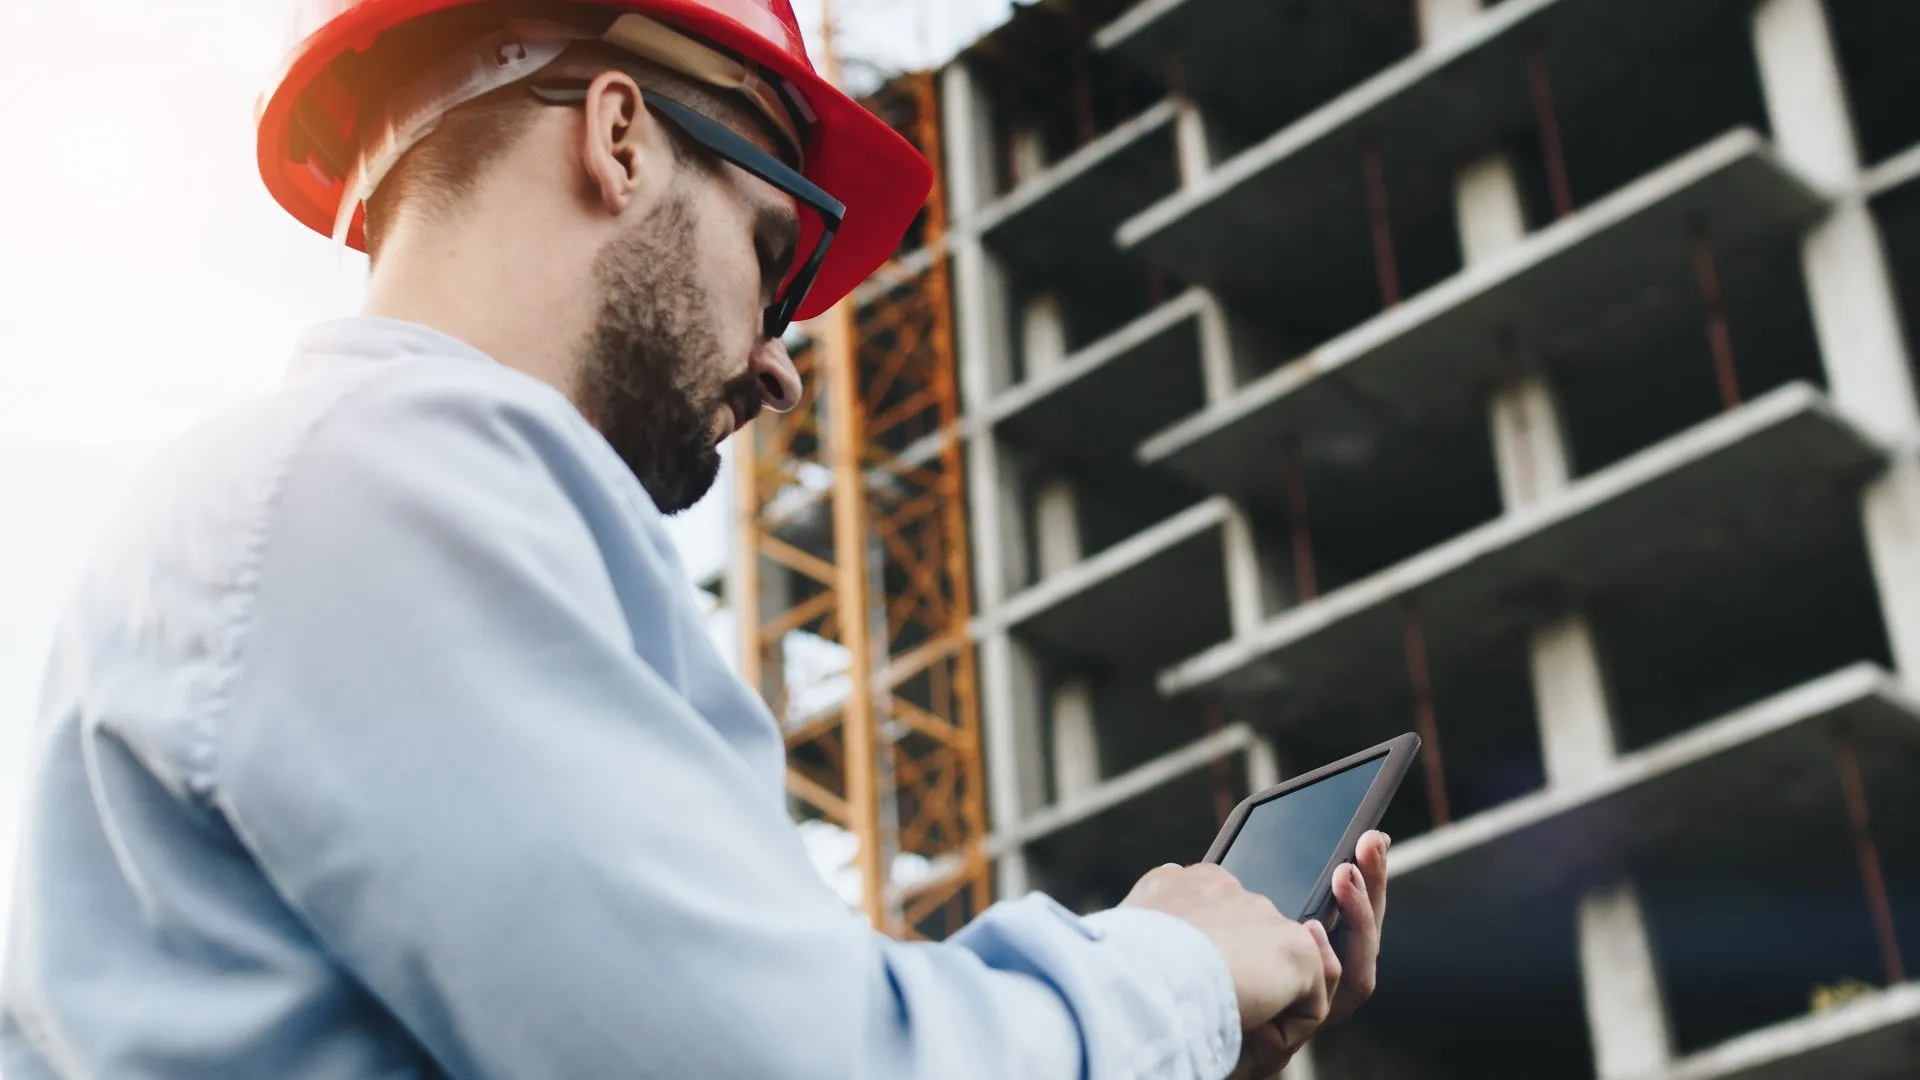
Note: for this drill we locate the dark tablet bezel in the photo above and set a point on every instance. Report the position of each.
(1399, 753)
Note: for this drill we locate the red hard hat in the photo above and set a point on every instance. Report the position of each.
(849, 152)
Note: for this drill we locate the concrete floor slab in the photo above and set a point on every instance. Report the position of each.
(1438, 353)
(1744, 493)
(1894, 173)
(1260, 65)
(1096, 406)
(1249, 227)
(1091, 850)
(1143, 788)
(1057, 227)
(1126, 787)
(1702, 783)
(1751, 797)
(1874, 1038)
(1148, 596)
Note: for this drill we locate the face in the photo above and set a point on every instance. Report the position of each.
(677, 360)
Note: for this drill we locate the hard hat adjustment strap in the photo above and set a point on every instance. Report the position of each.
(652, 40)
(409, 116)
(521, 49)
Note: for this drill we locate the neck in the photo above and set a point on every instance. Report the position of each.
(483, 286)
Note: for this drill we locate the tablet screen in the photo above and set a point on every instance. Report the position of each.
(1287, 841)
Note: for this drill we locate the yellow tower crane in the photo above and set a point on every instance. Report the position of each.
(851, 530)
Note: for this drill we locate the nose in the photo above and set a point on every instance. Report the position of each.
(779, 380)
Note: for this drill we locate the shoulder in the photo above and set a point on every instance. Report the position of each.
(423, 450)
(345, 442)
(467, 409)
(386, 471)
(455, 446)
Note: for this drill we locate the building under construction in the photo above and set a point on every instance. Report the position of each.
(1270, 377)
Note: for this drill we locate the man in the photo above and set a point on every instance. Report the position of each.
(384, 740)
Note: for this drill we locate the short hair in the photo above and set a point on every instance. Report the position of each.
(438, 173)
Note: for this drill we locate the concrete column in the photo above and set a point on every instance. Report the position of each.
(1619, 973)
(1012, 745)
(1626, 1014)
(1219, 375)
(1851, 295)
(1043, 335)
(1857, 321)
(1627, 1018)
(1232, 350)
(1805, 92)
(1263, 764)
(980, 288)
(1891, 512)
(1626, 1011)
(1256, 582)
(1009, 684)
(1056, 520)
(1076, 741)
(966, 122)
(1439, 19)
(1487, 208)
(1529, 445)
(1571, 693)
(1029, 154)
(1005, 569)
(1193, 143)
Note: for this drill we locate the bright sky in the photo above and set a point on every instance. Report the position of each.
(146, 279)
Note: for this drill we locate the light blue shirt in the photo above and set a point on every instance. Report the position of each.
(384, 739)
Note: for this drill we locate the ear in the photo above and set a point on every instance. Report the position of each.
(624, 147)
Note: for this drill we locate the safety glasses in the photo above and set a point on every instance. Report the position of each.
(731, 146)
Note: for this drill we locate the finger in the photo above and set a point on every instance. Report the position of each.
(1371, 857)
(1150, 884)
(1216, 876)
(1293, 1032)
(1265, 1050)
(1357, 914)
(1362, 944)
(1298, 1023)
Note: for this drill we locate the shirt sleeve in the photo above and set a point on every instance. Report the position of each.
(443, 748)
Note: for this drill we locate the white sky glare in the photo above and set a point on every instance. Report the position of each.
(146, 278)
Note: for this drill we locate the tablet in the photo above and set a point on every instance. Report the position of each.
(1286, 842)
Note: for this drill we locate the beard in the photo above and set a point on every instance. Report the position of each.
(650, 379)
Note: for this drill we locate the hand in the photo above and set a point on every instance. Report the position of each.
(1283, 972)
(1267, 1048)
(1360, 890)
